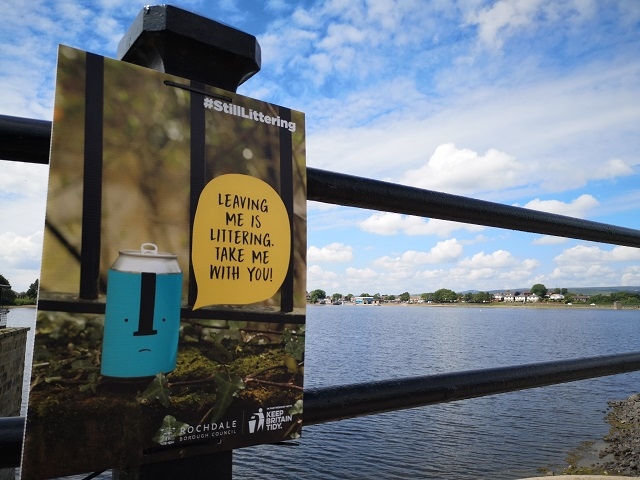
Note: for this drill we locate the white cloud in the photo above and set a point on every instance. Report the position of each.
(631, 276)
(488, 271)
(23, 189)
(320, 206)
(571, 175)
(361, 272)
(302, 18)
(338, 35)
(630, 11)
(385, 13)
(506, 18)
(478, 272)
(23, 179)
(443, 252)
(387, 223)
(585, 265)
(578, 207)
(317, 277)
(19, 250)
(503, 18)
(474, 275)
(497, 259)
(332, 253)
(361, 280)
(463, 171)
(300, 32)
(583, 254)
(341, 116)
(612, 168)
(322, 65)
(583, 275)
(436, 275)
(20, 259)
(228, 5)
(549, 240)
(277, 5)
(109, 29)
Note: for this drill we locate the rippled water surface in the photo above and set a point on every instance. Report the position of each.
(504, 436)
(499, 437)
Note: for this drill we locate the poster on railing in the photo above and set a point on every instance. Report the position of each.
(171, 314)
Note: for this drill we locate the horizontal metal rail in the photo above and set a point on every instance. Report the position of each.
(24, 139)
(11, 433)
(28, 140)
(348, 190)
(330, 404)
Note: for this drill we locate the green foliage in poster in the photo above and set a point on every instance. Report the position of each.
(294, 349)
(157, 390)
(296, 408)
(227, 389)
(294, 343)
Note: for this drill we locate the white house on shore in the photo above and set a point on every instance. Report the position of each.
(521, 297)
(527, 297)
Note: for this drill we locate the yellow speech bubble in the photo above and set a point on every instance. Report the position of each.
(241, 244)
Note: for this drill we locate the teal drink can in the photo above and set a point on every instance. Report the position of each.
(142, 318)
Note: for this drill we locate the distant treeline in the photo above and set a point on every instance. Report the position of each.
(445, 295)
(9, 297)
(625, 298)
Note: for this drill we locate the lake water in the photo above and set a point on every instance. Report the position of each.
(504, 436)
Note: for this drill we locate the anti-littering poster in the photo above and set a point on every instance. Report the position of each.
(171, 314)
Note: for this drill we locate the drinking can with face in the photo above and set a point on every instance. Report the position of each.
(142, 319)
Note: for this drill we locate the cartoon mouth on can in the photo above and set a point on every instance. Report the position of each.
(142, 319)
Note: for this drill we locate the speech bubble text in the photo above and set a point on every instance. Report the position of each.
(241, 242)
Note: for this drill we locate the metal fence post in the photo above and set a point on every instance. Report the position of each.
(174, 41)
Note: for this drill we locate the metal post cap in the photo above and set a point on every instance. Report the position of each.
(174, 41)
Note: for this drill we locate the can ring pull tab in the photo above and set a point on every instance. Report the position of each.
(149, 249)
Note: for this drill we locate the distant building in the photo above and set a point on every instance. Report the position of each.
(363, 300)
(527, 297)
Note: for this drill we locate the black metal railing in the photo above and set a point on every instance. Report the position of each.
(27, 140)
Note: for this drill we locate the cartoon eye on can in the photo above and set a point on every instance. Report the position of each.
(142, 319)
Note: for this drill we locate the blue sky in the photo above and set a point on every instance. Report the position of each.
(532, 103)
